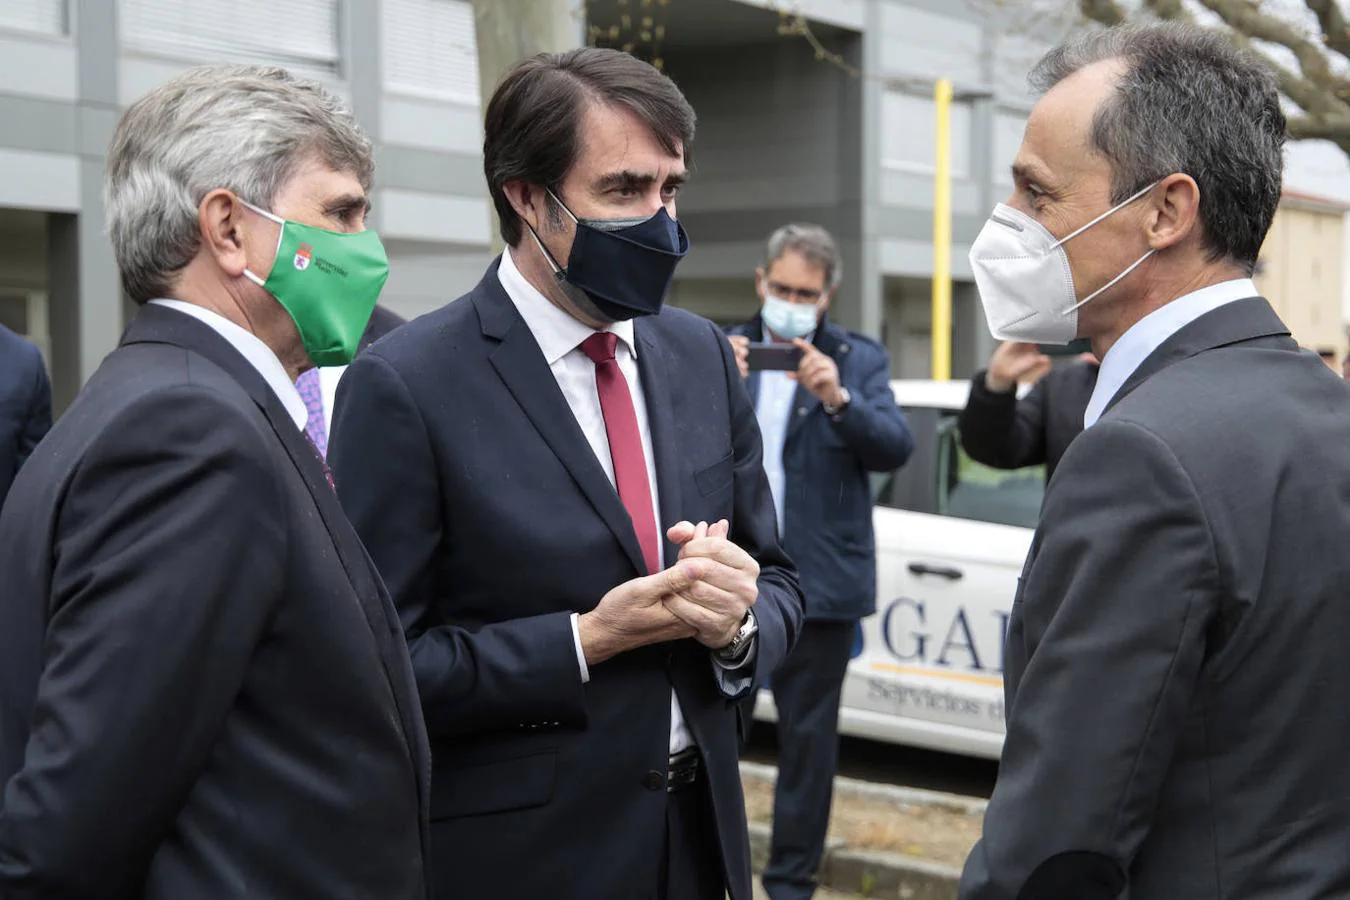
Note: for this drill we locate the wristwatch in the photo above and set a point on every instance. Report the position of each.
(741, 642)
(836, 410)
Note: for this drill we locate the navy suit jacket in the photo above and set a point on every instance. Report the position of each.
(827, 522)
(464, 470)
(25, 404)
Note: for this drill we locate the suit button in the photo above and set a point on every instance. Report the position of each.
(653, 780)
(801, 410)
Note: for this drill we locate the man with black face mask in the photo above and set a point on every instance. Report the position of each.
(562, 485)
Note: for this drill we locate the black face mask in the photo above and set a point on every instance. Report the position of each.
(624, 266)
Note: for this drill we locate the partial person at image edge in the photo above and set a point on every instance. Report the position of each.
(25, 404)
(203, 688)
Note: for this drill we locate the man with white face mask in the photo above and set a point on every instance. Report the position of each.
(826, 424)
(1181, 618)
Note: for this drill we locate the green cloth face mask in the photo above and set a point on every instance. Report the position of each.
(329, 282)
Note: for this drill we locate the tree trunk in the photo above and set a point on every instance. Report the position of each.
(507, 32)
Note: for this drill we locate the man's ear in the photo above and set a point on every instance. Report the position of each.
(527, 200)
(219, 223)
(761, 283)
(1174, 212)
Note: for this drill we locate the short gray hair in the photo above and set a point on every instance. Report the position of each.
(242, 128)
(812, 242)
(1189, 102)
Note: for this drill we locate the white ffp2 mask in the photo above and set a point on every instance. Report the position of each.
(1024, 280)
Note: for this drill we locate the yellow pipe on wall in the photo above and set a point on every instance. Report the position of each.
(942, 235)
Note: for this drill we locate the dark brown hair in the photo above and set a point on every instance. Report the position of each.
(530, 131)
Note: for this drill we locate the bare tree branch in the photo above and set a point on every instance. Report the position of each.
(1316, 89)
(1246, 17)
(1335, 29)
(1107, 12)
(1172, 10)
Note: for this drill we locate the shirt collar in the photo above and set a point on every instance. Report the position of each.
(556, 332)
(251, 347)
(1151, 332)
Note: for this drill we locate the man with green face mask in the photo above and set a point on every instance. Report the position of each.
(194, 644)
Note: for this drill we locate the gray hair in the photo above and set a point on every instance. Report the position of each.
(812, 242)
(1189, 102)
(245, 129)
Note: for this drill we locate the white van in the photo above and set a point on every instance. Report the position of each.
(952, 536)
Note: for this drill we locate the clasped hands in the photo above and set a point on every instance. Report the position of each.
(704, 595)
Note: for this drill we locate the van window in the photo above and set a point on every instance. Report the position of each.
(967, 489)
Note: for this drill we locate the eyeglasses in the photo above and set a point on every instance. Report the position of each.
(795, 294)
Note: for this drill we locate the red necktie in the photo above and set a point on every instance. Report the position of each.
(625, 444)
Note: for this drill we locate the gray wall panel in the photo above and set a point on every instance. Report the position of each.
(33, 124)
(428, 170)
(914, 224)
(424, 276)
(95, 126)
(96, 33)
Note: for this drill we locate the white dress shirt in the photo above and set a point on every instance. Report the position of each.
(251, 347)
(1151, 332)
(773, 409)
(559, 337)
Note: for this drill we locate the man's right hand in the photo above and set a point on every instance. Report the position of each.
(740, 345)
(633, 615)
(1014, 362)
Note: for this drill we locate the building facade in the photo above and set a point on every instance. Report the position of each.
(68, 68)
(1302, 270)
(836, 129)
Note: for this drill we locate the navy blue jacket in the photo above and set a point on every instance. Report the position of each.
(828, 499)
(25, 404)
(462, 467)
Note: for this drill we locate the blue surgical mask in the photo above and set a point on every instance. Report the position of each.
(624, 266)
(789, 320)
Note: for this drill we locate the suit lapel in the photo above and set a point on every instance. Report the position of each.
(520, 364)
(654, 369)
(375, 603)
(157, 324)
(1232, 323)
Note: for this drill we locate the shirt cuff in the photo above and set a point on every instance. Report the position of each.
(735, 675)
(581, 655)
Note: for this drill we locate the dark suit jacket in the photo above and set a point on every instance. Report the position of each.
(827, 516)
(492, 521)
(25, 404)
(1002, 431)
(1177, 658)
(203, 690)
(382, 321)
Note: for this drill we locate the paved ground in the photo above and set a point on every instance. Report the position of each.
(820, 895)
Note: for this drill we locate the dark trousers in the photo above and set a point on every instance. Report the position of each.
(691, 867)
(806, 691)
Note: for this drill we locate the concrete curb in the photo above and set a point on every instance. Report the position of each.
(873, 790)
(869, 873)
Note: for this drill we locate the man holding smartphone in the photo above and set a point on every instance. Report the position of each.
(823, 399)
